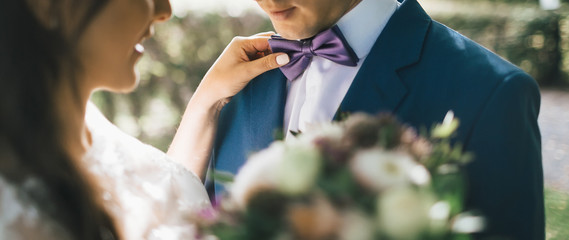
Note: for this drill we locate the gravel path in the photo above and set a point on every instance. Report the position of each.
(554, 125)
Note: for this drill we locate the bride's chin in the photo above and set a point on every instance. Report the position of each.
(134, 82)
(124, 85)
(131, 87)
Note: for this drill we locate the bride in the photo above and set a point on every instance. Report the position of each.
(68, 173)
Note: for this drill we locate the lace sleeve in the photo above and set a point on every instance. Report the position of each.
(150, 196)
(20, 220)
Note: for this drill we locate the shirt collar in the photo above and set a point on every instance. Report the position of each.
(363, 24)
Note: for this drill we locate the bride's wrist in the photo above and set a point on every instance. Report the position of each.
(204, 103)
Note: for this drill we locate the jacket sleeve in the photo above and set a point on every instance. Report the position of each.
(506, 177)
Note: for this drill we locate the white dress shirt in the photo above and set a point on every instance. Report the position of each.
(315, 96)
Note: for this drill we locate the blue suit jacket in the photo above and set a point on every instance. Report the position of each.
(419, 69)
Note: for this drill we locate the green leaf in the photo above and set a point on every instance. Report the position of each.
(446, 128)
(223, 177)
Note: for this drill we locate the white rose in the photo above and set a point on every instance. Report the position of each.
(468, 223)
(403, 213)
(297, 172)
(258, 173)
(380, 169)
(333, 131)
(439, 214)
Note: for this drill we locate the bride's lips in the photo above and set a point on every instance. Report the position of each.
(281, 15)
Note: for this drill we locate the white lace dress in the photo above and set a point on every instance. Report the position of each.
(150, 196)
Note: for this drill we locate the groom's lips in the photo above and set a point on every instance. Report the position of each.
(282, 14)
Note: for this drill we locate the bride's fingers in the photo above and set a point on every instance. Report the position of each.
(265, 34)
(253, 45)
(267, 63)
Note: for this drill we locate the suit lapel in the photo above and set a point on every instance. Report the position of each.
(377, 86)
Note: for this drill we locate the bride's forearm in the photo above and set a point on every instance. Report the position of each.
(193, 141)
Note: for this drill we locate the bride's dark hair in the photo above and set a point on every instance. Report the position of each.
(32, 56)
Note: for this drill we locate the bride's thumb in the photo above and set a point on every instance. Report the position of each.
(269, 62)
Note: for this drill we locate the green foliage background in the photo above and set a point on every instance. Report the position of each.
(534, 39)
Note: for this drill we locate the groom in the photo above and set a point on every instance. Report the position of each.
(389, 56)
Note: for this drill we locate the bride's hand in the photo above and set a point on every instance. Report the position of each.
(242, 60)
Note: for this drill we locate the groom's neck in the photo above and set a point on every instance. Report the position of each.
(352, 5)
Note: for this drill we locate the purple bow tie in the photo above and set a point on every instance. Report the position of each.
(329, 44)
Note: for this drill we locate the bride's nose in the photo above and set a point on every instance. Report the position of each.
(162, 10)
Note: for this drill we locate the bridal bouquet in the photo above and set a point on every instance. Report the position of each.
(368, 177)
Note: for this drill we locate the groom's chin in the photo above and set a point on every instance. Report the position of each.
(299, 31)
(295, 33)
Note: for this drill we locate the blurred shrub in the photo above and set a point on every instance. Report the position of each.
(535, 40)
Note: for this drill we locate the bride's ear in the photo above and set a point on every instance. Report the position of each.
(45, 12)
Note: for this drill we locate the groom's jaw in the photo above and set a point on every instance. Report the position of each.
(300, 19)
